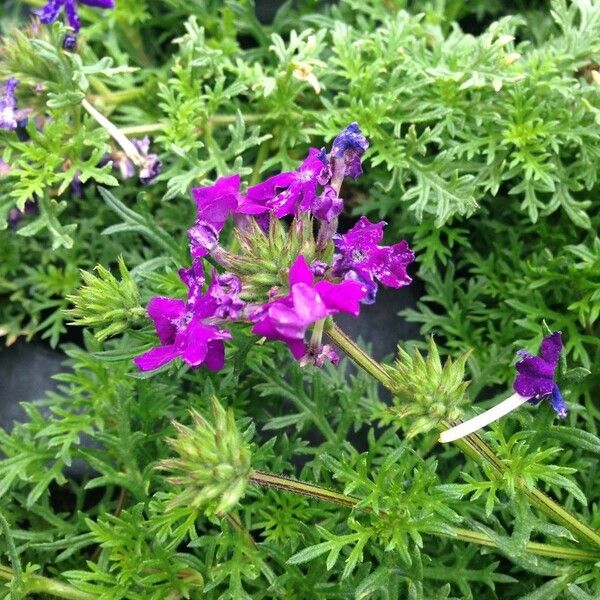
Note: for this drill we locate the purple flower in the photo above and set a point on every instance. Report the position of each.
(10, 116)
(188, 330)
(15, 215)
(49, 13)
(150, 167)
(350, 145)
(215, 203)
(287, 192)
(535, 379)
(288, 318)
(328, 205)
(359, 256)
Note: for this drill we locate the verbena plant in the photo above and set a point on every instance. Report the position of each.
(196, 458)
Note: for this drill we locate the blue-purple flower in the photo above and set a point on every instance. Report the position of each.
(359, 256)
(190, 330)
(535, 378)
(350, 145)
(10, 116)
(50, 12)
(285, 193)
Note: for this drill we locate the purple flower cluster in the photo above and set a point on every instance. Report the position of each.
(50, 12)
(535, 378)
(315, 281)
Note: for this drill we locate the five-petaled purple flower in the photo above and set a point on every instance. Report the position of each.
(10, 116)
(288, 318)
(535, 379)
(289, 191)
(190, 330)
(359, 256)
(215, 203)
(49, 13)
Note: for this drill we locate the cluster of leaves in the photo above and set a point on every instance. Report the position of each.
(484, 153)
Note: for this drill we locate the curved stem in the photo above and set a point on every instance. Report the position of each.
(472, 445)
(264, 479)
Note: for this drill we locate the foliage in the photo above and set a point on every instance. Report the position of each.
(483, 119)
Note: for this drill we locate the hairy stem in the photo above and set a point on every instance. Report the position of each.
(264, 479)
(472, 445)
(15, 561)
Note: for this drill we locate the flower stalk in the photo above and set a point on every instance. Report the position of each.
(301, 488)
(472, 444)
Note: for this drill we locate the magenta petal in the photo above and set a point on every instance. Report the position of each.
(286, 321)
(308, 305)
(216, 202)
(342, 297)
(215, 357)
(165, 312)
(156, 357)
(297, 348)
(300, 272)
(194, 343)
(261, 192)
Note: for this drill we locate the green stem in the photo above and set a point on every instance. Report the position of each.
(264, 479)
(15, 561)
(262, 154)
(472, 445)
(358, 355)
(118, 97)
(214, 120)
(36, 584)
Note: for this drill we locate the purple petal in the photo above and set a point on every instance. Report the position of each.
(258, 194)
(530, 387)
(300, 272)
(216, 202)
(194, 343)
(297, 348)
(558, 403)
(99, 3)
(392, 265)
(72, 16)
(551, 347)
(156, 357)
(204, 237)
(308, 304)
(49, 13)
(165, 312)
(328, 205)
(341, 297)
(215, 357)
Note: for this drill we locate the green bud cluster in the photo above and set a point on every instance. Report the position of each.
(106, 304)
(431, 393)
(213, 464)
(265, 257)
